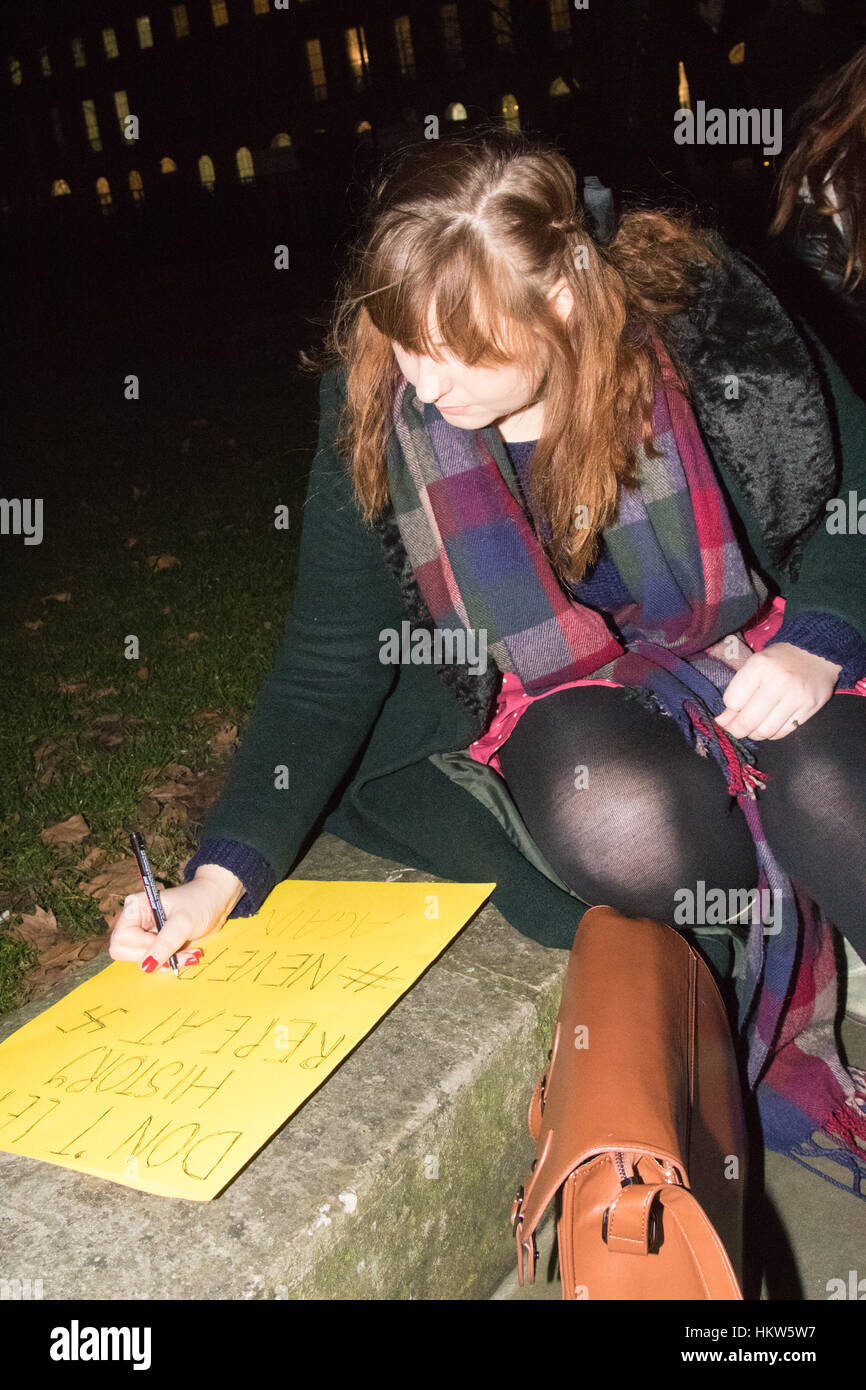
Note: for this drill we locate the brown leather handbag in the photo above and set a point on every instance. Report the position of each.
(638, 1121)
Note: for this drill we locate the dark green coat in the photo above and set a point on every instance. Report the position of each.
(367, 744)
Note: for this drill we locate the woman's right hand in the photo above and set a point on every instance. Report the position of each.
(193, 912)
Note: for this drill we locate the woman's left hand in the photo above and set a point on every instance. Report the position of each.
(773, 688)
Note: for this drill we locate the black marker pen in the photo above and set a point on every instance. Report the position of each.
(147, 879)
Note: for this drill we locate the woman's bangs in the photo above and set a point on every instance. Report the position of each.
(471, 326)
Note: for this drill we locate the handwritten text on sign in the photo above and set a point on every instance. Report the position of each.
(170, 1085)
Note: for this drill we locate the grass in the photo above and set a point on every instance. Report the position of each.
(194, 470)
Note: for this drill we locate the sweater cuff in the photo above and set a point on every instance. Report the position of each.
(825, 634)
(252, 869)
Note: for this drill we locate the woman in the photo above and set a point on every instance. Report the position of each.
(819, 258)
(480, 316)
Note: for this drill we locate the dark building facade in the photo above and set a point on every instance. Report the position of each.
(211, 110)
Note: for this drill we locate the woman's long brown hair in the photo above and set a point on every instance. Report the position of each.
(480, 228)
(830, 133)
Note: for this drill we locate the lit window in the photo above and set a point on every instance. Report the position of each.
(145, 36)
(359, 62)
(15, 72)
(683, 96)
(560, 22)
(503, 34)
(181, 21)
(405, 51)
(206, 173)
(167, 165)
(219, 12)
(103, 193)
(44, 62)
(109, 43)
(246, 172)
(316, 68)
(59, 188)
(510, 117)
(78, 57)
(90, 121)
(57, 128)
(456, 112)
(121, 106)
(261, 6)
(451, 40)
(281, 141)
(136, 187)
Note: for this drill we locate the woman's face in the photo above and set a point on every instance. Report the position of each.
(474, 397)
(470, 397)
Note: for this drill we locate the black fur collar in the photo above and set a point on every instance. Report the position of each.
(774, 434)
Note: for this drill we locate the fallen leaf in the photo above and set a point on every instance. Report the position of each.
(132, 540)
(162, 562)
(171, 791)
(34, 627)
(148, 811)
(94, 857)
(39, 928)
(107, 739)
(58, 960)
(159, 844)
(101, 694)
(52, 775)
(207, 716)
(71, 687)
(175, 770)
(224, 738)
(60, 598)
(142, 673)
(193, 636)
(108, 718)
(67, 832)
(204, 791)
(113, 885)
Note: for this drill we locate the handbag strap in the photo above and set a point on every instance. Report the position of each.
(628, 1226)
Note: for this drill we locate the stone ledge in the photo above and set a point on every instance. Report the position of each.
(341, 1203)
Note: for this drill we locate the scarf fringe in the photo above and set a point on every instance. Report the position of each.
(852, 1160)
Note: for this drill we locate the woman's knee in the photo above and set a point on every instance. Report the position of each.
(622, 807)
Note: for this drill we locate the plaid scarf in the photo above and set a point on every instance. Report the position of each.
(480, 564)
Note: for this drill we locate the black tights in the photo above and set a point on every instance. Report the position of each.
(653, 817)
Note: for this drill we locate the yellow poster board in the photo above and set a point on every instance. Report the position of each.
(170, 1084)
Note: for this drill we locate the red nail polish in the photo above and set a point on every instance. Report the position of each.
(148, 964)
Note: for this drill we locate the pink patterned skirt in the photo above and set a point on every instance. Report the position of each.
(513, 700)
